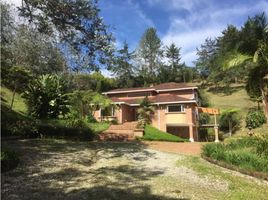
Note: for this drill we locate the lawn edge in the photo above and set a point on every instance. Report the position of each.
(254, 174)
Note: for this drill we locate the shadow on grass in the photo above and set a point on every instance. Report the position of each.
(60, 169)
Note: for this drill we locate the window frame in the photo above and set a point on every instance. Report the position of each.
(181, 105)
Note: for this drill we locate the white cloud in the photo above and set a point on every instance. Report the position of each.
(191, 31)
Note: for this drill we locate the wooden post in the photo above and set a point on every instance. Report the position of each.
(216, 129)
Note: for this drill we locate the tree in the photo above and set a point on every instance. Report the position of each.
(230, 120)
(149, 55)
(46, 97)
(76, 23)
(100, 102)
(37, 52)
(144, 112)
(206, 55)
(80, 102)
(122, 67)
(174, 57)
(17, 79)
(7, 35)
(255, 63)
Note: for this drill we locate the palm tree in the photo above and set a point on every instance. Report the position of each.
(258, 71)
(145, 112)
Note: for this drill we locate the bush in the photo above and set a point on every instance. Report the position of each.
(24, 128)
(73, 121)
(153, 134)
(262, 146)
(229, 120)
(9, 160)
(91, 118)
(248, 153)
(46, 97)
(65, 132)
(255, 119)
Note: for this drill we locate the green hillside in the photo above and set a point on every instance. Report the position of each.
(19, 104)
(239, 99)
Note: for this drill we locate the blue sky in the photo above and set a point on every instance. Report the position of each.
(185, 22)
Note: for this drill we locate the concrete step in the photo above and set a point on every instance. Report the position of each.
(126, 132)
(115, 137)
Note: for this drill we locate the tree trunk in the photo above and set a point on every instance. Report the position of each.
(13, 97)
(264, 99)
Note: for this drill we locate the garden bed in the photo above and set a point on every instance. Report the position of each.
(247, 155)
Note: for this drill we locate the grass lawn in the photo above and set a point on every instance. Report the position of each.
(154, 134)
(60, 169)
(99, 127)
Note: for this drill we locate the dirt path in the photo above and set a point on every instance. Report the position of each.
(175, 147)
(57, 169)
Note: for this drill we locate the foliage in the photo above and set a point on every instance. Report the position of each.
(99, 126)
(37, 52)
(46, 97)
(262, 146)
(154, 134)
(204, 118)
(91, 118)
(76, 23)
(74, 121)
(255, 118)
(80, 102)
(241, 153)
(100, 102)
(122, 67)
(229, 120)
(203, 98)
(9, 160)
(17, 79)
(95, 81)
(149, 54)
(24, 128)
(145, 112)
(58, 131)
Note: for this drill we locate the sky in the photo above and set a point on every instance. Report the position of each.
(187, 23)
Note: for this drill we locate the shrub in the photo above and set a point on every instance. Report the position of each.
(255, 119)
(262, 146)
(73, 121)
(46, 97)
(248, 153)
(24, 128)
(91, 118)
(229, 120)
(9, 160)
(65, 132)
(151, 133)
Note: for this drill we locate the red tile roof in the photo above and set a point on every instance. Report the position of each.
(154, 99)
(163, 86)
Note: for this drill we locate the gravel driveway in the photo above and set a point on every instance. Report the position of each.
(58, 169)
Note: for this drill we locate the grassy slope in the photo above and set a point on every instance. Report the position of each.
(238, 99)
(153, 134)
(19, 104)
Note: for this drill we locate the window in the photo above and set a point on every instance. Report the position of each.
(107, 111)
(175, 108)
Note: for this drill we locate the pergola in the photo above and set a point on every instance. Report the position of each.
(215, 112)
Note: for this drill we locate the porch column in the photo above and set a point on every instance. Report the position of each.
(191, 133)
(216, 130)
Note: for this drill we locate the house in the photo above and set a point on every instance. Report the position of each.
(175, 107)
